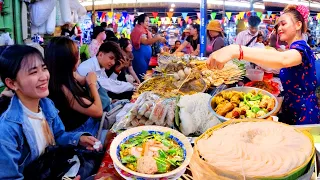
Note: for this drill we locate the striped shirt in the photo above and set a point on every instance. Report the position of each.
(244, 37)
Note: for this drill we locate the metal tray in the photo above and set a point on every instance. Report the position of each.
(245, 90)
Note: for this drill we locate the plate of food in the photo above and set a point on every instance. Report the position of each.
(151, 152)
(242, 103)
(168, 86)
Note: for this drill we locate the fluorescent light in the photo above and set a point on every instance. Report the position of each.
(305, 3)
(216, 2)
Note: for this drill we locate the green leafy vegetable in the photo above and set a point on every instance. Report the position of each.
(256, 98)
(166, 143)
(166, 135)
(255, 109)
(172, 151)
(129, 159)
(162, 165)
(162, 154)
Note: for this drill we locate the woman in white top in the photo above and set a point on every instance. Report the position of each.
(31, 123)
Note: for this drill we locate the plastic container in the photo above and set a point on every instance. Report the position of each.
(255, 74)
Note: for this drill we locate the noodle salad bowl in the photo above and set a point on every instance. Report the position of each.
(151, 153)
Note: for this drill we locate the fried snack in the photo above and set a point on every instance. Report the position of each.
(225, 109)
(236, 98)
(271, 104)
(218, 99)
(227, 94)
(264, 103)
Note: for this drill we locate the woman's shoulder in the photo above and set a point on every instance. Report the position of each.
(300, 44)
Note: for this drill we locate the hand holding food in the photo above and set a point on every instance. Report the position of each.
(218, 58)
(90, 142)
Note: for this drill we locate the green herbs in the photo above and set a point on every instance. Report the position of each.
(167, 154)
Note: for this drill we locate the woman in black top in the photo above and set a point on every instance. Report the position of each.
(192, 40)
(77, 105)
(68, 30)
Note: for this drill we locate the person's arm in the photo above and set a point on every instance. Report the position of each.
(9, 153)
(268, 58)
(271, 58)
(64, 138)
(150, 41)
(113, 76)
(79, 78)
(133, 74)
(197, 51)
(95, 110)
(115, 86)
(182, 46)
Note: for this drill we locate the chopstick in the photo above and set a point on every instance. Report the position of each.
(185, 80)
(66, 178)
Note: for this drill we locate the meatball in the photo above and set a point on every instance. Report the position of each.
(147, 165)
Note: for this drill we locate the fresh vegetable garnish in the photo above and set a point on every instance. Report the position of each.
(151, 153)
(255, 109)
(128, 159)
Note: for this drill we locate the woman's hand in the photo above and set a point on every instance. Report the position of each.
(91, 78)
(218, 58)
(162, 40)
(88, 142)
(124, 63)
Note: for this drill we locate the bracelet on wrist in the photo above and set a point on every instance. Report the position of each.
(241, 53)
(93, 83)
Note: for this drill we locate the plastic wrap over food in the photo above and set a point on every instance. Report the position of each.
(149, 109)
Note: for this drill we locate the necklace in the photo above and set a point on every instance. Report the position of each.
(45, 128)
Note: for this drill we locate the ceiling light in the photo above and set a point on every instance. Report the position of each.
(171, 10)
(173, 5)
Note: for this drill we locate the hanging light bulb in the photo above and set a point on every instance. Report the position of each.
(173, 5)
(171, 10)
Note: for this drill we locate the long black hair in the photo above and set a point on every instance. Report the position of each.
(124, 43)
(197, 27)
(140, 19)
(12, 57)
(61, 57)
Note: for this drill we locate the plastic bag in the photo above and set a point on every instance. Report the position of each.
(40, 11)
(5, 39)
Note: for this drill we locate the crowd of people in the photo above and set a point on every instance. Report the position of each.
(58, 99)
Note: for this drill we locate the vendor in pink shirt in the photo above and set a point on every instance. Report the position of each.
(98, 37)
(249, 37)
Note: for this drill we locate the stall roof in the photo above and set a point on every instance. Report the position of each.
(230, 5)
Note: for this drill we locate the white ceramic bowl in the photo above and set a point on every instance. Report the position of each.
(130, 133)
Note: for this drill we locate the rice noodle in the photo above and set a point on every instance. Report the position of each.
(195, 114)
(256, 148)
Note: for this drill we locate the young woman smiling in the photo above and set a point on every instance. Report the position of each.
(298, 74)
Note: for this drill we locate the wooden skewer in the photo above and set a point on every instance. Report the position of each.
(185, 80)
(66, 178)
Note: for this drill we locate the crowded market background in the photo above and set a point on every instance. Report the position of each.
(98, 89)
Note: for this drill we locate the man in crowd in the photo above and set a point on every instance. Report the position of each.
(249, 37)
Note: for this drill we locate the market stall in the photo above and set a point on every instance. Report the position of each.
(230, 105)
